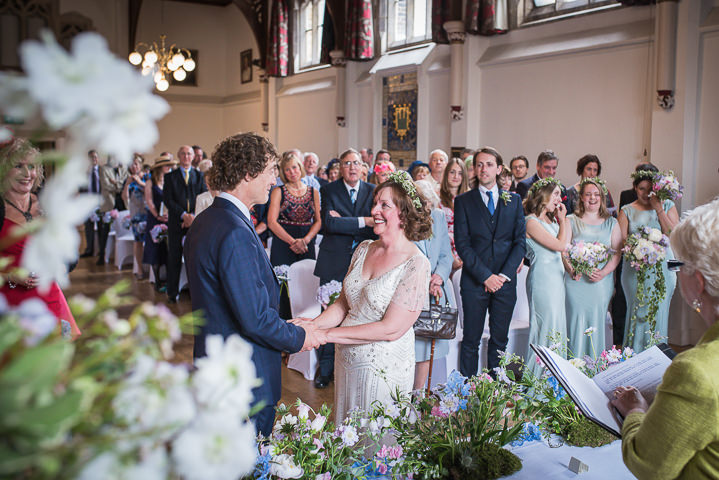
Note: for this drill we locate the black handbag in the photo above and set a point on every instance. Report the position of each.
(439, 322)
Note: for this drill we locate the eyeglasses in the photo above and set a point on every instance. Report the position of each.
(674, 265)
(348, 163)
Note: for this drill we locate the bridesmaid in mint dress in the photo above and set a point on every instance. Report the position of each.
(587, 297)
(547, 237)
(646, 211)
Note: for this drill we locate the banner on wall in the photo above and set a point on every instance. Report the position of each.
(399, 118)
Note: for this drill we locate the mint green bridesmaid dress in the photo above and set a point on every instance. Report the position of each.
(587, 302)
(637, 220)
(545, 292)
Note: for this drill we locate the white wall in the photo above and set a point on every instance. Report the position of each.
(708, 142)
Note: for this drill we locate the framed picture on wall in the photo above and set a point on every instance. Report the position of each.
(246, 66)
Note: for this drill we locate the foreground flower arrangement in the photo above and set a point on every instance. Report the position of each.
(110, 405)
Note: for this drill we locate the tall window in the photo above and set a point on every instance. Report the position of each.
(536, 10)
(408, 21)
(310, 21)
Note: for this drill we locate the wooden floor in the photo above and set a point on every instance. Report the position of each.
(92, 280)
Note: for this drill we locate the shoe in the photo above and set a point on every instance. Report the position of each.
(100, 261)
(86, 254)
(322, 381)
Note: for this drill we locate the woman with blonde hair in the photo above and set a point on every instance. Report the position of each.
(293, 215)
(547, 236)
(588, 296)
(23, 174)
(677, 436)
(454, 182)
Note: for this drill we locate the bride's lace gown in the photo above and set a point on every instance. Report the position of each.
(373, 371)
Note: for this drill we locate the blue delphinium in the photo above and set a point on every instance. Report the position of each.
(530, 433)
(262, 468)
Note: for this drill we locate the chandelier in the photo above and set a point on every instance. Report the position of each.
(161, 62)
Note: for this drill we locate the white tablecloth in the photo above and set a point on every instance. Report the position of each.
(540, 462)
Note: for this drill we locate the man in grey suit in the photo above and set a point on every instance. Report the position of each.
(346, 221)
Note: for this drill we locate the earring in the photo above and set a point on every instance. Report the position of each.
(697, 305)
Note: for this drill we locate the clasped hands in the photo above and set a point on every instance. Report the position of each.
(187, 219)
(314, 336)
(298, 246)
(494, 283)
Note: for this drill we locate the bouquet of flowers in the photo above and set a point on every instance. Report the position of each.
(328, 293)
(110, 216)
(666, 186)
(585, 257)
(158, 233)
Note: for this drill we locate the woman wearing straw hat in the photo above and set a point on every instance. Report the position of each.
(155, 253)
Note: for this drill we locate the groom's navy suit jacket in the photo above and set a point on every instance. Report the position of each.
(488, 244)
(233, 284)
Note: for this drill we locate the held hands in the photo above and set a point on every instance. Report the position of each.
(298, 246)
(628, 400)
(494, 283)
(314, 337)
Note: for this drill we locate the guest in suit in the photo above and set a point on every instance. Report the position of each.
(231, 280)
(182, 186)
(519, 167)
(311, 164)
(347, 221)
(93, 186)
(489, 235)
(547, 163)
(436, 248)
(111, 181)
(677, 435)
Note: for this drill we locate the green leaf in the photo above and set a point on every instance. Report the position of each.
(50, 424)
(10, 333)
(34, 371)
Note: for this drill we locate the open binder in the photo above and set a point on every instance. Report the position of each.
(593, 395)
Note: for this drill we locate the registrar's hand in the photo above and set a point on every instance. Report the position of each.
(628, 400)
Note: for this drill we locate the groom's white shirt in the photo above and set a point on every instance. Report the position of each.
(238, 203)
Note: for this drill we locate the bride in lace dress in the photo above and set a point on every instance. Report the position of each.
(383, 293)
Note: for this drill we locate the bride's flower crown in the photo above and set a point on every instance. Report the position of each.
(543, 182)
(403, 179)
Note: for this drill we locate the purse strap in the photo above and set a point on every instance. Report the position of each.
(444, 295)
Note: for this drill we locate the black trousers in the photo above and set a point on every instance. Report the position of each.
(103, 230)
(619, 308)
(89, 236)
(326, 352)
(174, 260)
(475, 304)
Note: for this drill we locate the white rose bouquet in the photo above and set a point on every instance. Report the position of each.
(586, 257)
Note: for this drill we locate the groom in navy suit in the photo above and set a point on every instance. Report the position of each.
(231, 280)
(489, 235)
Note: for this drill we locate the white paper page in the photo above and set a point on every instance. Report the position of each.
(589, 394)
(643, 371)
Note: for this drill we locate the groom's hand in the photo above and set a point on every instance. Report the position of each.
(300, 320)
(312, 339)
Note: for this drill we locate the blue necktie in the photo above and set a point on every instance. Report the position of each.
(353, 195)
(490, 203)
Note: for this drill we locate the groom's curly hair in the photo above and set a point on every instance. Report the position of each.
(239, 156)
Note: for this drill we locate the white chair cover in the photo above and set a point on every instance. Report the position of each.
(303, 285)
(124, 240)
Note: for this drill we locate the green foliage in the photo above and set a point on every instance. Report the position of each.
(585, 433)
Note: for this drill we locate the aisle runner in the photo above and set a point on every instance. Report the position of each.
(540, 461)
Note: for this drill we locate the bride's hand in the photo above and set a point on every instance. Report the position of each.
(300, 320)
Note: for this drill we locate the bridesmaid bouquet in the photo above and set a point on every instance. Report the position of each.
(328, 293)
(666, 186)
(158, 233)
(645, 251)
(585, 257)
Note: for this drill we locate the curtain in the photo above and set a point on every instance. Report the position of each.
(328, 36)
(277, 64)
(440, 14)
(359, 39)
(487, 17)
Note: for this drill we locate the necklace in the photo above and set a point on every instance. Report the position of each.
(26, 213)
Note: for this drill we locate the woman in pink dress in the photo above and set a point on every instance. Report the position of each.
(454, 182)
(19, 159)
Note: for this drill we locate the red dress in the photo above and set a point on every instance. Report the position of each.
(54, 297)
